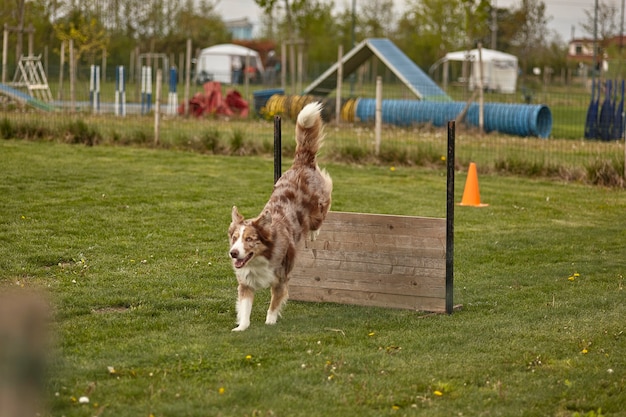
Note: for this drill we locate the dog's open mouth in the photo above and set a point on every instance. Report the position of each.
(240, 263)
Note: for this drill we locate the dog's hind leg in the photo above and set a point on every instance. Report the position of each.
(279, 298)
(313, 234)
(245, 297)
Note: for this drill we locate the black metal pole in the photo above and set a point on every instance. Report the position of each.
(277, 149)
(450, 219)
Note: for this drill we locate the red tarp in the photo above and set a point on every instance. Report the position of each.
(212, 102)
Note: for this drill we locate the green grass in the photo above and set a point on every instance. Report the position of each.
(131, 245)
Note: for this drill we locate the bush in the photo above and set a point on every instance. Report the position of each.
(354, 153)
(7, 131)
(80, 132)
(606, 173)
(139, 137)
(237, 142)
(210, 140)
(32, 130)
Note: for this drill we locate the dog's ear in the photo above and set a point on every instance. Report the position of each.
(264, 221)
(237, 218)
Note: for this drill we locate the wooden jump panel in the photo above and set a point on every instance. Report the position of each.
(374, 260)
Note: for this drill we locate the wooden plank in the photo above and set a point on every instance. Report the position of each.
(370, 299)
(427, 286)
(369, 258)
(380, 224)
(374, 260)
(367, 242)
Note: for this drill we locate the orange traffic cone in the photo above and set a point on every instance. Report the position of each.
(471, 194)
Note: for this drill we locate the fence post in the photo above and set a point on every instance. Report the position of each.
(72, 77)
(187, 77)
(339, 84)
(5, 54)
(61, 66)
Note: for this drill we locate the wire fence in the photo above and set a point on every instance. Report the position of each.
(554, 146)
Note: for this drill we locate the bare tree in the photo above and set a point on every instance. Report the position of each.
(20, 11)
(377, 18)
(607, 20)
(532, 33)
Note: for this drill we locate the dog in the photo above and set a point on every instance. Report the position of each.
(263, 249)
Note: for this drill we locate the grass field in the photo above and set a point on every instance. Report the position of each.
(130, 244)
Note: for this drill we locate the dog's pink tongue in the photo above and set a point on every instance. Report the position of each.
(239, 263)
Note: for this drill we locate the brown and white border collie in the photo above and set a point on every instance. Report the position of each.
(263, 249)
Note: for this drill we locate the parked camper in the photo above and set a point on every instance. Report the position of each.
(226, 63)
(499, 69)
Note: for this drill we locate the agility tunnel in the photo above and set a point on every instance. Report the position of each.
(268, 103)
(513, 119)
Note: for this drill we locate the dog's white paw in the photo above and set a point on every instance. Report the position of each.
(271, 317)
(313, 234)
(240, 328)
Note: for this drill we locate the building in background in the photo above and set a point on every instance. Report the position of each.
(241, 29)
(580, 51)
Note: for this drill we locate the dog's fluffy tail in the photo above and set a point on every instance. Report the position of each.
(309, 134)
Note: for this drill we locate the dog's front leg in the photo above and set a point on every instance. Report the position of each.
(245, 297)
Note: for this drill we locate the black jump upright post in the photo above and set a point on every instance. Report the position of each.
(278, 141)
(450, 219)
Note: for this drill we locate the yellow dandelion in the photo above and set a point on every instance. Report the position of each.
(395, 407)
(443, 158)
(371, 333)
(392, 169)
(438, 393)
(221, 390)
(584, 351)
(248, 357)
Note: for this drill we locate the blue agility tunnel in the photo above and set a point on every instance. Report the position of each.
(513, 119)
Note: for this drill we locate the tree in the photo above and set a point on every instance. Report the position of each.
(507, 26)
(308, 22)
(88, 35)
(344, 21)
(376, 18)
(477, 16)
(607, 21)
(431, 28)
(314, 24)
(200, 23)
(531, 35)
(20, 14)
